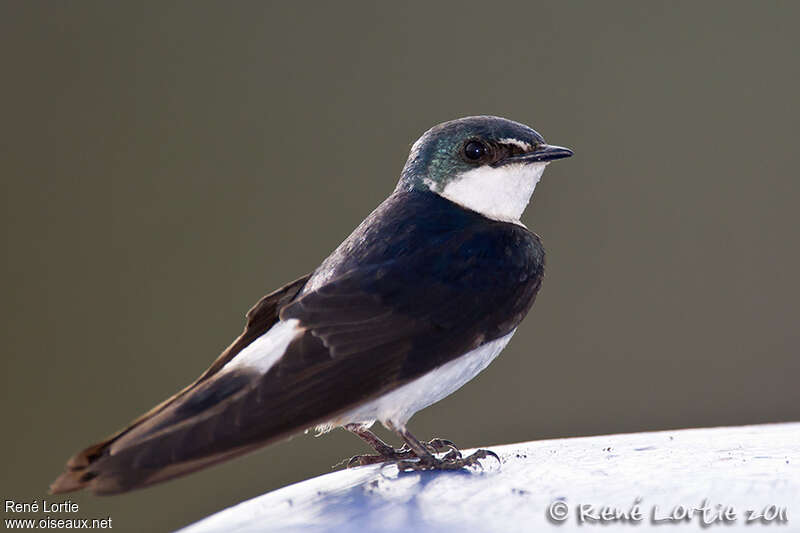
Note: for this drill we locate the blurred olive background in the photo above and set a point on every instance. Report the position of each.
(165, 164)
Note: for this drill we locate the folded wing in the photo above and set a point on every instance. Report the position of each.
(364, 333)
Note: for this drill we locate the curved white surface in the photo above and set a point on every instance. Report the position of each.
(744, 468)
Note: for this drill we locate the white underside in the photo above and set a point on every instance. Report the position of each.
(499, 193)
(266, 350)
(395, 407)
(398, 406)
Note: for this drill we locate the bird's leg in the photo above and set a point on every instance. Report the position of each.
(452, 460)
(384, 451)
(387, 453)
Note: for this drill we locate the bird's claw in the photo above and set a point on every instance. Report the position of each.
(402, 454)
(438, 445)
(451, 461)
(371, 459)
(364, 460)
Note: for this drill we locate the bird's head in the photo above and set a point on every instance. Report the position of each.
(488, 164)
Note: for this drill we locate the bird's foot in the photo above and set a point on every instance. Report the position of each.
(451, 461)
(402, 454)
(371, 459)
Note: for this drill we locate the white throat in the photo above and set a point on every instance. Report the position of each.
(499, 193)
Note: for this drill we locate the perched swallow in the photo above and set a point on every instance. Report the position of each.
(419, 299)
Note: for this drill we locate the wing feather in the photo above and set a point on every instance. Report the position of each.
(386, 319)
(259, 319)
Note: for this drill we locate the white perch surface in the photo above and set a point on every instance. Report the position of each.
(730, 471)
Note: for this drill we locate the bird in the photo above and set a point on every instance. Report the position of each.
(413, 304)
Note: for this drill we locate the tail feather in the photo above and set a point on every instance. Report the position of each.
(174, 439)
(108, 466)
(221, 418)
(116, 476)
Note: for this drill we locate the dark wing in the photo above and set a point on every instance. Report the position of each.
(377, 328)
(367, 331)
(259, 319)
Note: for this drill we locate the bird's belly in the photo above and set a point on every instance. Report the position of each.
(400, 404)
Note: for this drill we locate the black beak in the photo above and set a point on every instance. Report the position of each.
(542, 152)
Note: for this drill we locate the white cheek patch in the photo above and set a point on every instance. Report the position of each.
(265, 351)
(500, 193)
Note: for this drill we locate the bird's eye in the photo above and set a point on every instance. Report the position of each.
(474, 150)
